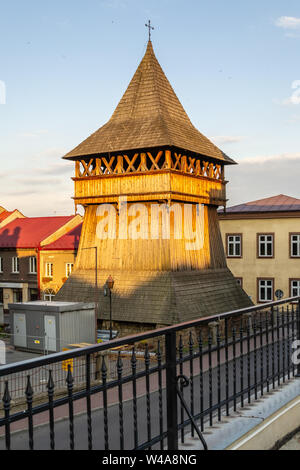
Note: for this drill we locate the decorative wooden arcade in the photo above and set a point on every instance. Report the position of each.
(150, 154)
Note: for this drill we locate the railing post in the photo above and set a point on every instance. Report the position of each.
(171, 383)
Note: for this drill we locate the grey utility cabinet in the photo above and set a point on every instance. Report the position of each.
(47, 327)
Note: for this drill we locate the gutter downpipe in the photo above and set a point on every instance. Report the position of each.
(38, 271)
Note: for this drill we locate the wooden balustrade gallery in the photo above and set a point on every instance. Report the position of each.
(146, 162)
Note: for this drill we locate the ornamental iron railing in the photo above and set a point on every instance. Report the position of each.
(148, 391)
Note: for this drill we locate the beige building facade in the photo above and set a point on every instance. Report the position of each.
(262, 245)
(56, 267)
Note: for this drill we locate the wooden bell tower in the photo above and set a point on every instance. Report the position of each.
(150, 154)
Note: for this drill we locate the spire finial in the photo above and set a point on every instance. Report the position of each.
(148, 25)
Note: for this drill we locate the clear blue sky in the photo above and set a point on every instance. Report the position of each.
(66, 64)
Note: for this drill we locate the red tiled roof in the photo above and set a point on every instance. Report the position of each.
(278, 203)
(4, 215)
(69, 241)
(31, 231)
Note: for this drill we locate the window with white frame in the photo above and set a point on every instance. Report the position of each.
(1, 265)
(49, 294)
(295, 245)
(265, 290)
(295, 287)
(49, 269)
(15, 264)
(69, 269)
(234, 245)
(32, 265)
(265, 246)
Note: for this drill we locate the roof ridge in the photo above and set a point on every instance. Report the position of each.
(158, 91)
(273, 197)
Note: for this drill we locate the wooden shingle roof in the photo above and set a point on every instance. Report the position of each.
(148, 115)
(164, 298)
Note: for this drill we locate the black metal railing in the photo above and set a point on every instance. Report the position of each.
(148, 391)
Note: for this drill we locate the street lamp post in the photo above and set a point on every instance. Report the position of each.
(107, 291)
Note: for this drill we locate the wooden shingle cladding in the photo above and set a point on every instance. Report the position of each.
(120, 251)
(149, 115)
(158, 298)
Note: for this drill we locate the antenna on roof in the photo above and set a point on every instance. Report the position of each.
(148, 25)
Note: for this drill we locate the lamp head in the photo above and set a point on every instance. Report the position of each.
(110, 282)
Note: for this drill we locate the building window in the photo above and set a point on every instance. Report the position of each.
(1, 295)
(69, 269)
(295, 245)
(1, 265)
(15, 265)
(32, 265)
(239, 281)
(234, 245)
(265, 290)
(17, 295)
(33, 294)
(49, 270)
(49, 294)
(265, 245)
(295, 287)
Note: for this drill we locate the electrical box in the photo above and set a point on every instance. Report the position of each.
(47, 327)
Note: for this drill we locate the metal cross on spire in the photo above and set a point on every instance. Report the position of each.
(148, 25)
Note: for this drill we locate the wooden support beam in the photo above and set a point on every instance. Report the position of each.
(155, 161)
(211, 170)
(191, 167)
(177, 162)
(98, 170)
(168, 159)
(198, 170)
(120, 165)
(77, 169)
(108, 165)
(183, 165)
(131, 163)
(143, 164)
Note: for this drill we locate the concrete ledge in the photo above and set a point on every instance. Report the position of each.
(273, 430)
(258, 426)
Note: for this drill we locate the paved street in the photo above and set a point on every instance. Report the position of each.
(13, 355)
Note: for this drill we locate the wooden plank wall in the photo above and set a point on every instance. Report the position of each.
(152, 254)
